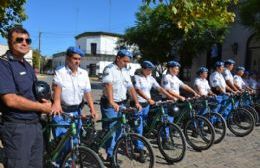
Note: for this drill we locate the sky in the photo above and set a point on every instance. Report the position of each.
(61, 20)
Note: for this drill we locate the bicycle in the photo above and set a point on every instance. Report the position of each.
(125, 146)
(157, 125)
(198, 131)
(239, 120)
(246, 101)
(78, 155)
(218, 122)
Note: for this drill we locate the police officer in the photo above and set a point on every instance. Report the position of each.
(201, 83)
(172, 84)
(117, 82)
(238, 81)
(144, 82)
(219, 87)
(71, 86)
(217, 80)
(21, 130)
(229, 65)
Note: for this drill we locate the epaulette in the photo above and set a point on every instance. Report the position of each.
(59, 67)
(109, 66)
(4, 57)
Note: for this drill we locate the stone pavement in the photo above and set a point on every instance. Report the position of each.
(232, 152)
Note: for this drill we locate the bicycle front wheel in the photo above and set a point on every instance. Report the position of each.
(82, 157)
(219, 124)
(240, 122)
(133, 150)
(199, 133)
(171, 142)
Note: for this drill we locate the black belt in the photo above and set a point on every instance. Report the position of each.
(145, 104)
(21, 121)
(121, 102)
(71, 108)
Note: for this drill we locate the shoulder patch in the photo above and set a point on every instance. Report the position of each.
(4, 57)
(165, 82)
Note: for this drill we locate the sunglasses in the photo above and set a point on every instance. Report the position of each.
(20, 40)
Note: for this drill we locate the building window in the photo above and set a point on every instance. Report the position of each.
(93, 48)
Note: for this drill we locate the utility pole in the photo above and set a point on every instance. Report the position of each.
(39, 48)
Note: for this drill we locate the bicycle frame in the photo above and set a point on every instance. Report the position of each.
(121, 124)
(160, 116)
(69, 135)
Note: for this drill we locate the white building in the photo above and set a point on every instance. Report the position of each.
(28, 56)
(99, 48)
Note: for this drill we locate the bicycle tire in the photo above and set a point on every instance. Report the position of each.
(90, 159)
(254, 113)
(199, 120)
(257, 108)
(176, 137)
(127, 151)
(235, 117)
(218, 126)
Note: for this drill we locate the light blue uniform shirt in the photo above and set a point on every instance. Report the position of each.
(73, 86)
(145, 84)
(120, 80)
(172, 82)
(216, 79)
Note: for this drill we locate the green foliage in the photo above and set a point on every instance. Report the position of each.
(179, 28)
(36, 59)
(11, 14)
(250, 14)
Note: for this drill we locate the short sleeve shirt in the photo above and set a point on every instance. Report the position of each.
(120, 80)
(202, 85)
(171, 82)
(145, 84)
(239, 81)
(228, 76)
(216, 79)
(73, 86)
(17, 77)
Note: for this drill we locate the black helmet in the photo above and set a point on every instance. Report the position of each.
(41, 90)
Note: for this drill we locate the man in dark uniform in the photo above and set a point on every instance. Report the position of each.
(21, 129)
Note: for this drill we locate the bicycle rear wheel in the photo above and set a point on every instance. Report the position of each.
(199, 133)
(240, 122)
(126, 153)
(175, 140)
(82, 157)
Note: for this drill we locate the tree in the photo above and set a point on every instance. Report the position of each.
(11, 14)
(179, 28)
(36, 59)
(250, 14)
(199, 14)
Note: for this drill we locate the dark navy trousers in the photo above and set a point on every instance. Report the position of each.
(23, 145)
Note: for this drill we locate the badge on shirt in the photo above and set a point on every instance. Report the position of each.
(22, 73)
(165, 82)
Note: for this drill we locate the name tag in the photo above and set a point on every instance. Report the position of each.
(22, 73)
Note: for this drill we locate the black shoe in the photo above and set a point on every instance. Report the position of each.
(219, 125)
(142, 155)
(111, 162)
(167, 145)
(194, 134)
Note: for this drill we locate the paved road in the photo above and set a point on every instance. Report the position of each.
(232, 152)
